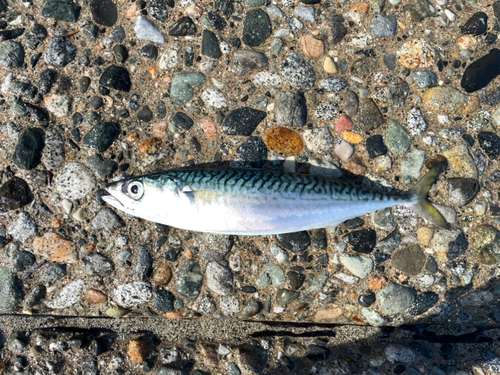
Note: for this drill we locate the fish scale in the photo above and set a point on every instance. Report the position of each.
(252, 202)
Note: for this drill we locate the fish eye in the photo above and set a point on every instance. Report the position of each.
(135, 190)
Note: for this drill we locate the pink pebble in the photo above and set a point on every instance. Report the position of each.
(344, 124)
(343, 150)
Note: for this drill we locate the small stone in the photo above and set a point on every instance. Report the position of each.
(55, 248)
(104, 12)
(375, 146)
(395, 353)
(423, 303)
(35, 36)
(329, 66)
(214, 98)
(364, 67)
(61, 10)
(327, 315)
(485, 241)
(279, 254)
(284, 141)
(416, 122)
(96, 264)
(366, 300)
(102, 167)
(396, 299)
(490, 144)
(183, 121)
(383, 27)
(449, 244)
(271, 276)
(14, 194)
(362, 241)
(319, 139)
(360, 266)
(384, 219)
(327, 111)
(94, 296)
(219, 279)
(60, 51)
(412, 164)
(416, 54)
(230, 305)
(425, 79)
(210, 45)
(251, 308)
(182, 86)
(163, 301)
(332, 31)
(369, 116)
(343, 150)
(12, 55)
(190, 280)
(285, 296)
(311, 46)
(137, 350)
(294, 24)
(11, 293)
(461, 191)
(206, 306)
(75, 181)
(162, 273)
(68, 296)
(54, 153)
(291, 109)
(116, 77)
(297, 73)
(481, 72)
(254, 149)
(318, 282)
(101, 136)
(146, 30)
(257, 27)
(28, 152)
(267, 79)
(117, 312)
(476, 25)
(133, 294)
(23, 228)
(374, 318)
(409, 260)
(443, 99)
(158, 10)
(107, 219)
(306, 13)
(244, 61)
(242, 121)
(398, 140)
(184, 26)
(59, 105)
(351, 103)
(460, 161)
(333, 84)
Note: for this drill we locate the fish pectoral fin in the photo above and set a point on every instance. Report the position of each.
(203, 196)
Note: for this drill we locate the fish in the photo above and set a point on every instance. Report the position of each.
(258, 202)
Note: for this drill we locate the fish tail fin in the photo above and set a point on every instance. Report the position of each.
(423, 207)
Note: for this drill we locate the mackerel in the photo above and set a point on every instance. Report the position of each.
(252, 202)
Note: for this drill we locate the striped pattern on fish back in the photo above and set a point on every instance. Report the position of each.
(266, 182)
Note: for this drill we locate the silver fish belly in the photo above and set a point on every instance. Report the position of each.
(246, 202)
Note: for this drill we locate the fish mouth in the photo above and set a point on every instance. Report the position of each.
(111, 200)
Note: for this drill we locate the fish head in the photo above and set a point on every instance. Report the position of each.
(128, 195)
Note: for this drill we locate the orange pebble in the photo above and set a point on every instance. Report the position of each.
(152, 71)
(176, 315)
(131, 11)
(377, 283)
(284, 141)
(209, 128)
(160, 129)
(150, 146)
(137, 350)
(56, 223)
(352, 138)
